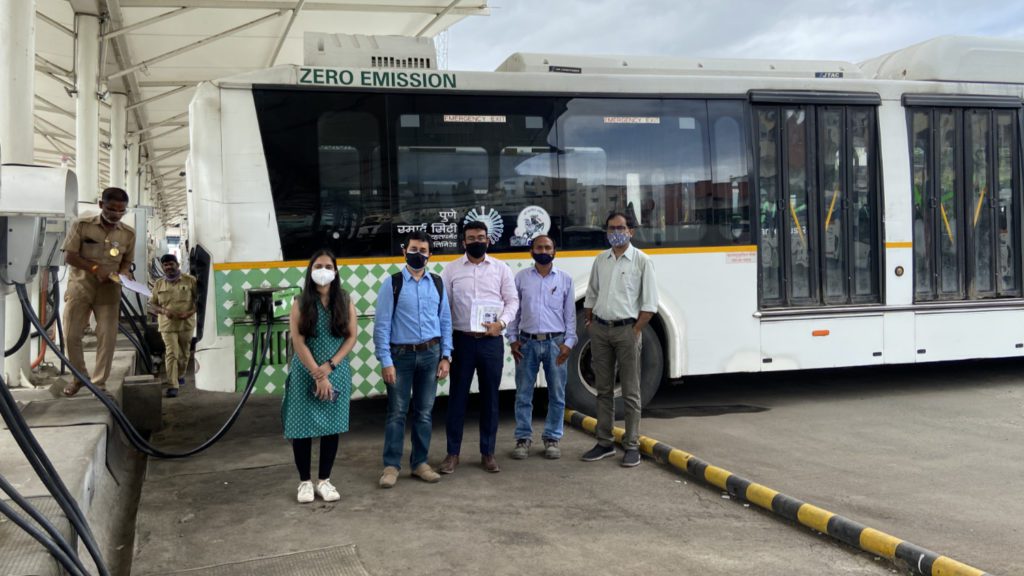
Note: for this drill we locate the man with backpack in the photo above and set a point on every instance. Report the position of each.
(412, 337)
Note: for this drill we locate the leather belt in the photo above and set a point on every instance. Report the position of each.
(545, 336)
(615, 323)
(477, 335)
(416, 347)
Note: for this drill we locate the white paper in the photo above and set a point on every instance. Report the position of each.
(134, 286)
(484, 311)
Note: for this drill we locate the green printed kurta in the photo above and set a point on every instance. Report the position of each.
(304, 415)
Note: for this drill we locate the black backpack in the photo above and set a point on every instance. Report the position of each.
(397, 279)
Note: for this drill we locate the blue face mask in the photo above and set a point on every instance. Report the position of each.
(618, 238)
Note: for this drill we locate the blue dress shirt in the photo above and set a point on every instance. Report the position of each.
(416, 320)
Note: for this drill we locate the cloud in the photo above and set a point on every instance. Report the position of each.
(800, 29)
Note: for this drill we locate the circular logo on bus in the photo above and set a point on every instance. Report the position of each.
(495, 225)
(533, 221)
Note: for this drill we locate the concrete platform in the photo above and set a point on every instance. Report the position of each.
(100, 472)
(237, 503)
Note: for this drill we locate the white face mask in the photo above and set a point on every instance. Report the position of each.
(322, 276)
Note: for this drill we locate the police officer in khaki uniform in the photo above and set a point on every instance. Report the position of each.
(97, 249)
(174, 301)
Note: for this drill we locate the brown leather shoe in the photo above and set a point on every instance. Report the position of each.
(489, 463)
(448, 464)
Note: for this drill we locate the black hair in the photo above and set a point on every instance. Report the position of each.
(473, 225)
(168, 258)
(553, 243)
(422, 237)
(113, 194)
(629, 221)
(309, 302)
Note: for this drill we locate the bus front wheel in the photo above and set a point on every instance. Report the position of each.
(580, 389)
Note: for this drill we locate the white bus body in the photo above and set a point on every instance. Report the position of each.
(788, 231)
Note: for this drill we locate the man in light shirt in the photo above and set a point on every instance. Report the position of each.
(621, 299)
(542, 334)
(484, 301)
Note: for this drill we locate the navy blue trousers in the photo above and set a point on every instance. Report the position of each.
(484, 356)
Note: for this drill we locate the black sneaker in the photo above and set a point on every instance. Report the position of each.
(632, 458)
(598, 452)
(172, 392)
(522, 449)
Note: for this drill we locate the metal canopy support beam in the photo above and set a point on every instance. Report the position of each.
(55, 24)
(437, 17)
(194, 45)
(314, 6)
(284, 35)
(87, 113)
(147, 22)
(166, 122)
(118, 131)
(162, 134)
(159, 97)
(49, 66)
(153, 161)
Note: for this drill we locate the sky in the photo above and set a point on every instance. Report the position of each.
(786, 29)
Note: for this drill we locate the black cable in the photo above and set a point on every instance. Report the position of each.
(132, 434)
(59, 555)
(21, 341)
(37, 458)
(43, 521)
(128, 312)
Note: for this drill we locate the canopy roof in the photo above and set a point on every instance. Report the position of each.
(156, 51)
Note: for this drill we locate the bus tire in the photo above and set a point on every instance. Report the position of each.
(580, 392)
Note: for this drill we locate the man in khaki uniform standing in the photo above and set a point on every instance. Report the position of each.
(97, 249)
(174, 301)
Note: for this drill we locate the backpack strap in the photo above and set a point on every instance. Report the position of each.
(440, 291)
(396, 288)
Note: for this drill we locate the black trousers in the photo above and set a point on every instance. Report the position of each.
(302, 448)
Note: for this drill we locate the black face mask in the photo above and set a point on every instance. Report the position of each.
(543, 259)
(476, 249)
(415, 260)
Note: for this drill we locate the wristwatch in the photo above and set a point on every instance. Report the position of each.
(503, 325)
(448, 358)
(330, 362)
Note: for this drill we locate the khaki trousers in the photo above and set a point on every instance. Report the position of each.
(76, 318)
(176, 345)
(610, 347)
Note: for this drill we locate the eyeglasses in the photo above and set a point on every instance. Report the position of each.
(476, 238)
(617, 228)
(418, 251)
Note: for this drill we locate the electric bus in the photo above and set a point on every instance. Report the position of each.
(800, 214)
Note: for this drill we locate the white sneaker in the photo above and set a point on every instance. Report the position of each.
(305, 492)
(327, 491)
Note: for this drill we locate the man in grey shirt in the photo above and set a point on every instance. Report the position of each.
(621, 299)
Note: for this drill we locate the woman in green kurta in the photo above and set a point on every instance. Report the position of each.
(316, 398)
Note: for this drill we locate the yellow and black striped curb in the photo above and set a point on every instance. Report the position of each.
(900, 552)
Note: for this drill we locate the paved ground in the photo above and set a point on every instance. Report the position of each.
(236, 502)
(932, 454)
(929, 454)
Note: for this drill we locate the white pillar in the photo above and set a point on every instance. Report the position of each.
(17, 87)
(118, 122)
(132, 173)
(87, 110)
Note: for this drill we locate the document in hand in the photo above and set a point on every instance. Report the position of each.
(484, 311)
(134, 286)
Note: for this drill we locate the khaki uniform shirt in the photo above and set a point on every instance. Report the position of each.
(622, 288)
(112, 249)
(177, 296)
